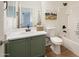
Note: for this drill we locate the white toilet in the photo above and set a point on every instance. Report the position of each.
(56, 41)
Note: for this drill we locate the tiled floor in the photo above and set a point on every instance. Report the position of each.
(64, 52)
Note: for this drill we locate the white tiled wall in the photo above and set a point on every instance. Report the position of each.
(73, 18)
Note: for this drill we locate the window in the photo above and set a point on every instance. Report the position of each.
(26, 15)
(11, 11)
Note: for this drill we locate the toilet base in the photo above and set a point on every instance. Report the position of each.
(56, 49)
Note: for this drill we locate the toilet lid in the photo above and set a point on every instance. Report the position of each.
(56, 39)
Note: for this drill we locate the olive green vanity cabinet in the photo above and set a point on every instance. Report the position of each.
(37, 46)
(26, 47)
(16, 48)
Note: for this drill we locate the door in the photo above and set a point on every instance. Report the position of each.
(37, 46)
(16, 48)
(1, 28)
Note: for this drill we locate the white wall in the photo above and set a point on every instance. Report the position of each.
(72, 42)
(9, 22)
(49, 6)
(1, 28)
(53, 6)
(62, 18)
(73, 20)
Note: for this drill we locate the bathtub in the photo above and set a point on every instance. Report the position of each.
(71, 45)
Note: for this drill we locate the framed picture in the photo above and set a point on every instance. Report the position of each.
(50, 16)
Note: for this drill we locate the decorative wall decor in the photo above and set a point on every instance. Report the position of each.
(50, 16)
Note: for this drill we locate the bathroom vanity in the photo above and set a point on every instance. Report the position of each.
(29, 44)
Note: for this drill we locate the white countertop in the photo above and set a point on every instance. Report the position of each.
(22, 34)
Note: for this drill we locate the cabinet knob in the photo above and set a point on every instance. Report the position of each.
(1, 42)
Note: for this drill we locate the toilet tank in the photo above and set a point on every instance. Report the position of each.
(51, 31)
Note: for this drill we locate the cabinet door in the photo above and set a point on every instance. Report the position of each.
(16, 48)
(27, 47)
(37, 46)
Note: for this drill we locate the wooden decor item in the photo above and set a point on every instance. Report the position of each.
(50, 16)
(40, 28)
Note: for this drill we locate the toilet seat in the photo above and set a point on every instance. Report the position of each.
(56, 40)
